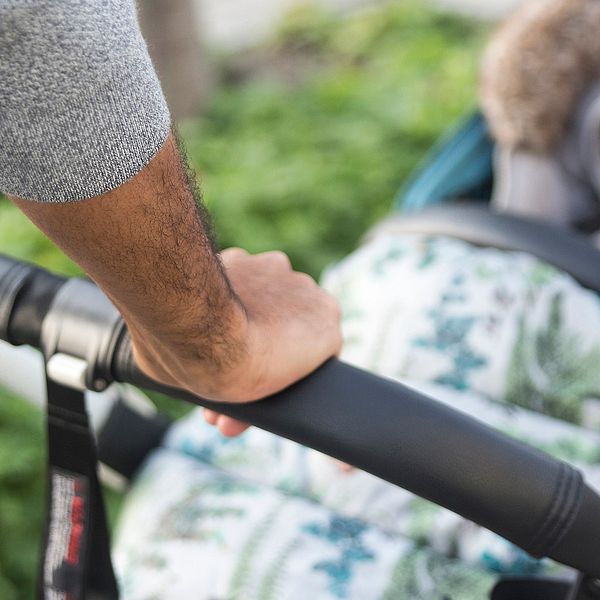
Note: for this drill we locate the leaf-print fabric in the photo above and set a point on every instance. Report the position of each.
(498, 335)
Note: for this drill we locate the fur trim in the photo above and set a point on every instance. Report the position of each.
(536, 68)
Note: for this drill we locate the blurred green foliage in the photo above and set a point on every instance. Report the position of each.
(301, 151)
(22, 480)
(307, 166)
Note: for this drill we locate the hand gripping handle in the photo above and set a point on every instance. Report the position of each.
(381, 426)
(396, 433)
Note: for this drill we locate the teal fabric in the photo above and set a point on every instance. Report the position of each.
(458, 166)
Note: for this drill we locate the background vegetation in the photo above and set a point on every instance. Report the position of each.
(302, 148)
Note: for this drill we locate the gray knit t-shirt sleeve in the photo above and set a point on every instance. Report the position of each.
(81, 108)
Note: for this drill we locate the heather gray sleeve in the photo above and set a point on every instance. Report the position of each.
(81, 108)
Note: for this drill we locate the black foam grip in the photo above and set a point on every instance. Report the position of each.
(26, 293)
(398, 434)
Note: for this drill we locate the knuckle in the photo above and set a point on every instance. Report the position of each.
(234, 252)
(305, 279)
(278, 257)
(333, 305)
(310, 282)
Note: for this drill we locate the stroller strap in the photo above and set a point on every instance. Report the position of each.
(564, 249)
(76, 561)
(379, 425)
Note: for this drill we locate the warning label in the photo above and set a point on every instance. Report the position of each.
(63, 561)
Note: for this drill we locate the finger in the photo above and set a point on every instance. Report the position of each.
(277, 257)
(339, 346)
(333, 303)
(344, 467)
(231, 427)
(306, 279)
(233, 253)
(335, 308)
(211, 416)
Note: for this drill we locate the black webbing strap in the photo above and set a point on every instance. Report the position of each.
(75, 562)
(79, 327)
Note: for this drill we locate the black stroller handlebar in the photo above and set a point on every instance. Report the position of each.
(390, 430)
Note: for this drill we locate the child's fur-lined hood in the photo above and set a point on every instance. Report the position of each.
(537, 67)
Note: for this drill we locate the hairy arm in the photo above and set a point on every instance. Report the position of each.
(146, 245)
(234, 329)
(86, 153)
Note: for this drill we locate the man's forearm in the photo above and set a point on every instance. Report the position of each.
(145, 244)
(235, 332)
(82, 116)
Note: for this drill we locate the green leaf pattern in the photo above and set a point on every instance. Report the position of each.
(498, 335)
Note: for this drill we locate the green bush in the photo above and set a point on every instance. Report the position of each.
(308, 166)
(22, 481)
(302, 152)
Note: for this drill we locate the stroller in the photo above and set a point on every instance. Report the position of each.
(541, 504)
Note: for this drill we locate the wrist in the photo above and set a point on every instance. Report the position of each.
(200, 352)
(215, 337)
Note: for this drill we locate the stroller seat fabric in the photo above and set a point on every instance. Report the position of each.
(500, 335)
